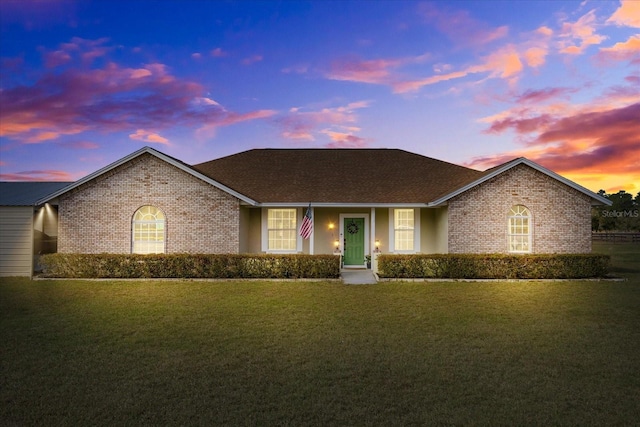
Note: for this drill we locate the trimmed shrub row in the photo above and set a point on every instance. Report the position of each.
(471, 266)
(213, 266)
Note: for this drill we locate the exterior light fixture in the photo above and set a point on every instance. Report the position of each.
(336, 247)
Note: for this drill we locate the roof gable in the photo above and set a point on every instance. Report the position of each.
(337, 176)
(497, 170)
(146, 150)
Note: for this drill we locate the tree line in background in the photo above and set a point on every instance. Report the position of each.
(623, 215)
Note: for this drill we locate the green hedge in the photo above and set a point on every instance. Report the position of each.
(215, 266)
(471, 266)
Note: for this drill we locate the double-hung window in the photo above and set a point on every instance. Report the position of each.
(282, 230)
(404, 230)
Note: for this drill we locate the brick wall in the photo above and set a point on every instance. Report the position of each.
(561, 215)
(96, 217)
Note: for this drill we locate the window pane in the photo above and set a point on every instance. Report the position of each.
(404, 240)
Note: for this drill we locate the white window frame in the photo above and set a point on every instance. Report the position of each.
(265, 231)
(159, 246)
(516, 213)
(416, 231)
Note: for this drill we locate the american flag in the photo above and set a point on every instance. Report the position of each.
(306, 228)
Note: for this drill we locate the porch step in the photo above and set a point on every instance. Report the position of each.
(358, 277)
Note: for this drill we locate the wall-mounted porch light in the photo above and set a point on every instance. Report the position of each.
(377, 245)
(336, 247)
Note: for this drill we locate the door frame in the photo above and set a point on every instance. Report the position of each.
(367, 248)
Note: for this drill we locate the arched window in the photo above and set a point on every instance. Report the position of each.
(519, 229)
(148, 231)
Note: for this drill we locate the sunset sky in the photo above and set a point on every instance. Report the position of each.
(83, 83)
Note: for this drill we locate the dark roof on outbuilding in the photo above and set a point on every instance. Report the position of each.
(337, 175)
(27, 193)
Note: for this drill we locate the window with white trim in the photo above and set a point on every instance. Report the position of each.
(282, 232)
(519, 229)
(148, 231)
(403, 230)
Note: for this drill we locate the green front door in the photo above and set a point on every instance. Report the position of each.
(353, 241)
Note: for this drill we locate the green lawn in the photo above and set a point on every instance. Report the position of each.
(322, 353)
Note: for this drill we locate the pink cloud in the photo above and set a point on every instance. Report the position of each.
(504, 63)
(628, 14)
(218, 53)
(252, 59)
(375, 71)
(535, 56)
(38, 175)
(545, 31)
(414, 85)
(303, 125)
(209, 128)
(460, 26)
(576, 37)
(542, 95)
(622, 51)
(73, 100)
(84, 49)
(599, 141)
(147, 136)
(56, 58)
(344, 140)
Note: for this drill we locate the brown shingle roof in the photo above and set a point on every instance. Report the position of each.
(337, 175)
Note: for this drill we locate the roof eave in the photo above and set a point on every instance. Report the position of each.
(157, 154)
(596, 199)
(340, 205)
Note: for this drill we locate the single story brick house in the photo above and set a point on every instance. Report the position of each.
(361, 200)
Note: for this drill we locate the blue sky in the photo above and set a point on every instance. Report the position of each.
(474, 83)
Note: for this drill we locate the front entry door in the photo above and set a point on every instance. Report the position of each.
(353, 241)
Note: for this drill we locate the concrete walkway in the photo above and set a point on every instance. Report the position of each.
(358, 277)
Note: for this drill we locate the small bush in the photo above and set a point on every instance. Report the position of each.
(214, 266)
(472, 266)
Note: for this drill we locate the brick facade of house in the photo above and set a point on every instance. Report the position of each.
(97, 216)
(561, 215)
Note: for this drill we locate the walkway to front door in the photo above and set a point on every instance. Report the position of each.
(358, 277)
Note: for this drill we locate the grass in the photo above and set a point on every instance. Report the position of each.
(322, 353)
